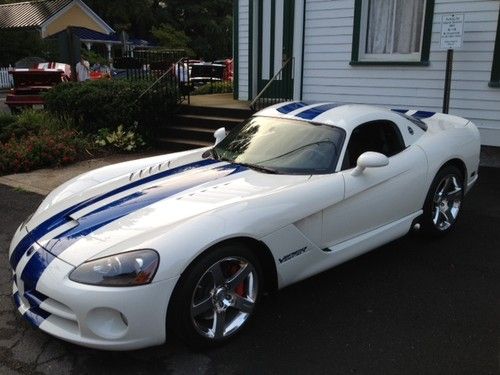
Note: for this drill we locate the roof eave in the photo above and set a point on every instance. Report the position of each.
(85, 8)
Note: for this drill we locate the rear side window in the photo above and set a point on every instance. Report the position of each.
(377, 136)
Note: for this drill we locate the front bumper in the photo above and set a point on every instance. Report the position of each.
(110, 318)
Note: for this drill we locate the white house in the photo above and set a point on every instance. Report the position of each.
(384, 52)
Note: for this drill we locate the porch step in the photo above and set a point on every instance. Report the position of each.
(180, 144)
(239, 113)
(210, 122)
(194, 126)
(203, 134)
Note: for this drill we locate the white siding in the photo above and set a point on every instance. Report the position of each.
(6, 81)
(328, 75)
(243, 46)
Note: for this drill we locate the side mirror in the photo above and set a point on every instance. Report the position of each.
(219, 135)
(370, 159)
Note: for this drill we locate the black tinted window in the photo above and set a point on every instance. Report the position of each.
(377, 136)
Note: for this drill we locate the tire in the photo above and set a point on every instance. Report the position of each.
(443, 202)
(216, 296)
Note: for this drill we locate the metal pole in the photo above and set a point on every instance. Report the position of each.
(447, 81)
(188, 81)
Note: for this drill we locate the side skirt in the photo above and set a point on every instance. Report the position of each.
(370, 240)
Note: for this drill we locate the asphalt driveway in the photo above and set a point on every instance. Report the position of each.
(415, 306)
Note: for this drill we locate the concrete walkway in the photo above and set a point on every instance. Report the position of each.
(43, 181)
(218, 101)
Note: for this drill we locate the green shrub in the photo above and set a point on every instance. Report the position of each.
(120, 139)
(36, 139)
(93, 57)
(93, 105)
(45, 149)
(214, 88)
(27, 122)
(6, 121)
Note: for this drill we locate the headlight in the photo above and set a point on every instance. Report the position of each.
(125, 269)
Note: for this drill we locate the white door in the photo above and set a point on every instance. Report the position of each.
(378, 196)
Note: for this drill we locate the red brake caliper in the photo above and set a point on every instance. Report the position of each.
(240, 288)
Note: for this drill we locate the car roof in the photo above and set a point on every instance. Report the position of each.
(346, 116)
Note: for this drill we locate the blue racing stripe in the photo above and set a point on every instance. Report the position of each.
(22, 247)
(33, 315)
(34, 269)
(311, 113)
(287, 108)
(399, 110)
(17, 299)
(36, 316)
(122, 207)
(423, 114)
(34, 298)
(63, 216)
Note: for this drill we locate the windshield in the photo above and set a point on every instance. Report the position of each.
(278, 145)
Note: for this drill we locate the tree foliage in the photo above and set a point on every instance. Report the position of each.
(15, 45)
(136, 17)
(202, 27)
(171, 38)
(208, 24)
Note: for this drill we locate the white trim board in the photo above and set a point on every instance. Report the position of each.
(83, 7)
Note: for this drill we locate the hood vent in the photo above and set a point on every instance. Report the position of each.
(141, 173)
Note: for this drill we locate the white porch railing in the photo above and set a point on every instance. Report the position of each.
(6, 81)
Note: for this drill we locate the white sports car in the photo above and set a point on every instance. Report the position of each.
(190, 241)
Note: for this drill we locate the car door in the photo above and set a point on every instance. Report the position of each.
(377, 196)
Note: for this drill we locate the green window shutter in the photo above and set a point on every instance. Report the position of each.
(236, 35)
(356, 31)
(495, 68)
(426, 40)
(250, 49)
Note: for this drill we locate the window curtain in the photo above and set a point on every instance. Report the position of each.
(394, 26)
(408, 31)
(379, 30)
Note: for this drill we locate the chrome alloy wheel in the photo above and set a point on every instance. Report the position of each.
(447, 201)
(224, 297)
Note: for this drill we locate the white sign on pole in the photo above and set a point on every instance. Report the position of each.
(452, 30)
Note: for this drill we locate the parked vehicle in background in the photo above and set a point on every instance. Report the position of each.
(100, 72)
(203, 73)
(30, 84)
(228, 68)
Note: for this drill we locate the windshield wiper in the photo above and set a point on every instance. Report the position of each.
(256, 167)
(259, 168)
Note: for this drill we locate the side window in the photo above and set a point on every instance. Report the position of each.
(378, 136)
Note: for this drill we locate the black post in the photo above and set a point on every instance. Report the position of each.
(188, 81)
(447, 81)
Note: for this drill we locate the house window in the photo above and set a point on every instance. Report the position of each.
(495, 69)
(392, 31)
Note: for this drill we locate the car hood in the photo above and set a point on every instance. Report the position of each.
(109, 215)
